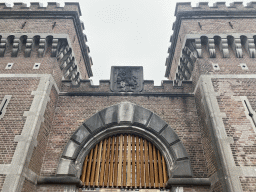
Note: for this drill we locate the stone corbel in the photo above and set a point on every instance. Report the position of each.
(224, 47)
(237, 47)
(15, 47)
(198, 46)
(42, 47)
(3, 46)
(54, 47)
(75, 79)
(250, 47)
(28, 48)
(211, 48)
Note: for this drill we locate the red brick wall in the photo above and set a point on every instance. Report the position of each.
(237, 125)
(13, 121)
(28, 186)
(50, 188)
(2, 178)
(196, 189)
(248, 183)
(206, 137)
(42, 138)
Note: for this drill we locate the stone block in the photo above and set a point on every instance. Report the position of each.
(71, 150)
(156, 123)
(66, 167)
(182, 169)
(109, 115)
(80, 135)
(169, 135)
(179, 151)
(94, 122)
(125, 113)
(141, 115)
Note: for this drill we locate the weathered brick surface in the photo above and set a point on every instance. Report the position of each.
(13, 121)
(248, 183)
(196, 189)
(2, 178)
(207, 140)
(217, 187)
(51, 188)
(179, 113)
(42, 138)
(28, 186)
(237, 124)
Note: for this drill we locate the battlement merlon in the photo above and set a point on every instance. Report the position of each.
(52, 10)
(36, 6)
(217, 8)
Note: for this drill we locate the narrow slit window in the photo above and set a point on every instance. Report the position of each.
(4, 104)
(249, 112)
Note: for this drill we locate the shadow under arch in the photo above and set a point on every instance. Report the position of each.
(126, 118)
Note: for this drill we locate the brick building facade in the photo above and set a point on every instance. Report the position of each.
(195, 132)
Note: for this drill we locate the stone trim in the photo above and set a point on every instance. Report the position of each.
(228, 170)
(124, 118)
(188, 181)
(17, 171)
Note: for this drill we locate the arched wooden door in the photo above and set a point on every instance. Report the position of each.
(125, 161)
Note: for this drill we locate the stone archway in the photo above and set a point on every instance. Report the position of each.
(125, 118)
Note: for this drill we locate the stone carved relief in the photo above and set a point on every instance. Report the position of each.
(126, 79)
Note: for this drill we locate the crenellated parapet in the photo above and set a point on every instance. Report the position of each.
(36, 6)
(59, 44)
(238, 43)
(218, 6)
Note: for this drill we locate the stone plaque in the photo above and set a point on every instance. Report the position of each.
(126, 79)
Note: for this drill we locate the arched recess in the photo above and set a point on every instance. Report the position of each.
(125, 118)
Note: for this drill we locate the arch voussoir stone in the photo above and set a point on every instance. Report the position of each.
(123, 118)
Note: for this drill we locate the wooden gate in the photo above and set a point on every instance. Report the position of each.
(124, 161)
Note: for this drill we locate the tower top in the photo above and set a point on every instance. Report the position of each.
(36, 6)
(219, 10)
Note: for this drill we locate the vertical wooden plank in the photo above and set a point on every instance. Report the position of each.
(124, 162)
(89, 169)
(151, 171)
(133, 161)
(129, 162)
(102, 168)
(84, 169)
(120, 162)
(164, 170)
(155, 167)
(146, 164)
(98, 165)
(160, 169)
(137, 162)
(111, 173)
(107, 176)
(142, 168)
(92, 181)
(116, 162)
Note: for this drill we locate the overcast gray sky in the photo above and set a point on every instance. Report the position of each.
(127, 32)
